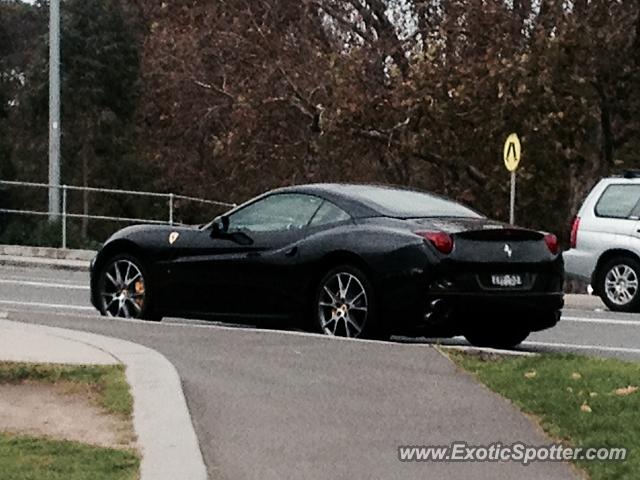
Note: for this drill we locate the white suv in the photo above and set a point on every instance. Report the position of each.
(605, 242)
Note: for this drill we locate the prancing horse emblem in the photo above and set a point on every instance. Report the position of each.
(507, 250)
(173, 236)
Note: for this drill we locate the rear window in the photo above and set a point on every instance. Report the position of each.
(619, 201)
(395, 202)
(328, 213)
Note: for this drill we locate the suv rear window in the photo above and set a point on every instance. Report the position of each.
(619, 201)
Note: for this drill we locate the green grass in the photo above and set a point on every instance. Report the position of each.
(27, 458)
(554, 388)
(24, 458)
(108, 382)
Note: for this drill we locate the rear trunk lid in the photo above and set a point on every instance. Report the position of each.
(481, 241)
(493, 256)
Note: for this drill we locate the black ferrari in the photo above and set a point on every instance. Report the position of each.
(349, 260)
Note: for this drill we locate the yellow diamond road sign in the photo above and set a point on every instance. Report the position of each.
(512, 152)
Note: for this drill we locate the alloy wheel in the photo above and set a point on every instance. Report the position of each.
(123, 290)
(343, 306)
(621, 284)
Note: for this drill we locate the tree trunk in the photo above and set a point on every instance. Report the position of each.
(85, 193)
(605, 126)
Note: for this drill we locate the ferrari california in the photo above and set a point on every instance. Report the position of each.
(341, 259)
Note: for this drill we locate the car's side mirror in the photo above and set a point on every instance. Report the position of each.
(220, 227)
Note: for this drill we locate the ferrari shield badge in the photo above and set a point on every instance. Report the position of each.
(173, 236)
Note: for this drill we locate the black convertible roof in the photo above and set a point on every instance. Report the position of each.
(367, 200)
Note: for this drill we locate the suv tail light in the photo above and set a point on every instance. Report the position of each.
(552, 243)
(441, 240)
(574, 232)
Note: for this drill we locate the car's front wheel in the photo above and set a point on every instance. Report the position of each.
(618, 284)
(124, 290)
(345, 304)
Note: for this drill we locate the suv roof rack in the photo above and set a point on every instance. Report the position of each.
(631, 173)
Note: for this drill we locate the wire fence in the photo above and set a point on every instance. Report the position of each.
(167, 200)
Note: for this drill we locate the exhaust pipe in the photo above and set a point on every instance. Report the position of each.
(437, 311)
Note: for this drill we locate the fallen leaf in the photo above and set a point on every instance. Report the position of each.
(623, 392)
(531, 374)
(585, 408)
(569, 389)
(576, 376)
(593, 394)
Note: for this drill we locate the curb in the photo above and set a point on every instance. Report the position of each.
(161, 419)
(17, 261)
(56, 258)
(581, 301)
(485, 350)
(47, 252)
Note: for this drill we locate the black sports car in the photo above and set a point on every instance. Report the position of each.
(350, 260)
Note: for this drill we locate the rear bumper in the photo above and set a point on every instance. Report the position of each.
(446, 300)
(579, 264)
(477, 303)
(451, 314)
(533, 312)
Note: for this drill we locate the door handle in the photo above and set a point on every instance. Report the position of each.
(292, 252)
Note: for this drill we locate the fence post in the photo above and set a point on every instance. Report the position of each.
(171, 209)
(64, 216)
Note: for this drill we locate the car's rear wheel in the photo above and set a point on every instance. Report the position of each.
(345, 304)
(619, 284)
(504, 338)
(124, 290)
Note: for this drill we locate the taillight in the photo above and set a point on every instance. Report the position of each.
(574, 232)
(552, 243)
(441, 240)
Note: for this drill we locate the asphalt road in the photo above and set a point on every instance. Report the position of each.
(280, 405)
(587, 327)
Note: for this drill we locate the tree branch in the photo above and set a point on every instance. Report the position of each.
(209, 86)
(352, 26)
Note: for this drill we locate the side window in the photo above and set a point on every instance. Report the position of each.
(619, 201)
(278, 212)
(329, 213)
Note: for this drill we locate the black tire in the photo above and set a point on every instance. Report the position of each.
(503, 338)
(608, 293)
(136, 299)
(351, 319)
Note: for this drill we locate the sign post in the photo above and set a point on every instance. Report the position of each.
(512, 154)
(54, 110)
(512, 203)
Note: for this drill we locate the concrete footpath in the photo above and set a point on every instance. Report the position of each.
(166, 438)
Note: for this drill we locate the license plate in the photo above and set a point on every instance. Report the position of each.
(506, 281)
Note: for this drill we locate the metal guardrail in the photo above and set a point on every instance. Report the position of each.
(64, 214)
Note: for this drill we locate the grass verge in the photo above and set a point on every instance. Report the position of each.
(28, 458)
(582, 401)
